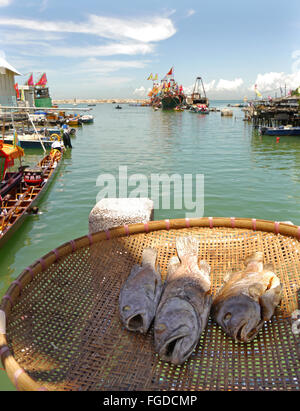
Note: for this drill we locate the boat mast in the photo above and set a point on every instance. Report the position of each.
(203, 87)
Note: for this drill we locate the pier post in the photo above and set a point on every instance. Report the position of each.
(115, 212)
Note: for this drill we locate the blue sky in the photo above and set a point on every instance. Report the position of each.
(107, 49)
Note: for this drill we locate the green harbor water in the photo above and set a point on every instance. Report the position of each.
(245, 175)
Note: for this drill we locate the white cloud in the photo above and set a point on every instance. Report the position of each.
(97, 66)
(140, 92)
(105, 50)
(190, 12)
(219, 86)
(272, 81)
(143, 30)
(4, 3)
(229, 85)
(9, 37)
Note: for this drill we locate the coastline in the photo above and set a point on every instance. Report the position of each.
(99, 101)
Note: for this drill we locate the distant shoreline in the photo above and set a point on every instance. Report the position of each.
(98, 101)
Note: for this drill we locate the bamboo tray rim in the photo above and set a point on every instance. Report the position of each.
(18, 376)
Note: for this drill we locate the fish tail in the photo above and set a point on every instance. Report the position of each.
(257, 257)
(149, 257)
(187, 247)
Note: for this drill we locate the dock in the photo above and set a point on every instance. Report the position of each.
(274, 113)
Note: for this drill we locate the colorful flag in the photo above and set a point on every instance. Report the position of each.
(150, 77)
(42, 81)
(256, 91)
(17, 90)
(16, 141)
(30, 81)
(155, 77)
(22, 95)
(170, 72)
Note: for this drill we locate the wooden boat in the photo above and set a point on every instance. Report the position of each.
(9, 179)
(25, 194)
(75, 121)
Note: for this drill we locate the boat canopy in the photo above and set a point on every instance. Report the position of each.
(8, 153)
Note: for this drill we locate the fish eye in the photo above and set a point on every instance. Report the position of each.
(227, 316)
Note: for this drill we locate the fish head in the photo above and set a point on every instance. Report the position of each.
(239, 316)
(176, 331)
(136, 312)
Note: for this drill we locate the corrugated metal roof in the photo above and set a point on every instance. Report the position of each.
(6, 65)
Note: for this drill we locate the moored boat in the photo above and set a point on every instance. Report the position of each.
(170, 101)
(23, 196)
(200, 109)
(30, 140)
(9, 179)
(87, 119)
(168, 94)
(198, 96)
(280, 131)
(75, 121)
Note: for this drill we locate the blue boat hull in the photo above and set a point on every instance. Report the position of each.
(31, 143)
(293, 131)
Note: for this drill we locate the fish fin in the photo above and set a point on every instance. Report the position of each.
(269, 301)
(172, 266)
(269, 267)
(187, 246)
(203, 265)
(227, 276)
(256, 257)
(256, 290)
(134, 271)
(149, 257)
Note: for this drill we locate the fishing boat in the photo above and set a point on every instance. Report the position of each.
(168, 94)
(22, 193)
(198, 95)
(170, 101)
(118, 107)
(280, 131)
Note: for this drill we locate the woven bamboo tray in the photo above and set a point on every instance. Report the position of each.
(60, 327)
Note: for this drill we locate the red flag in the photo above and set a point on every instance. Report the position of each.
(30, 81)
(17, 90)
(170, 72)
(42, 81)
